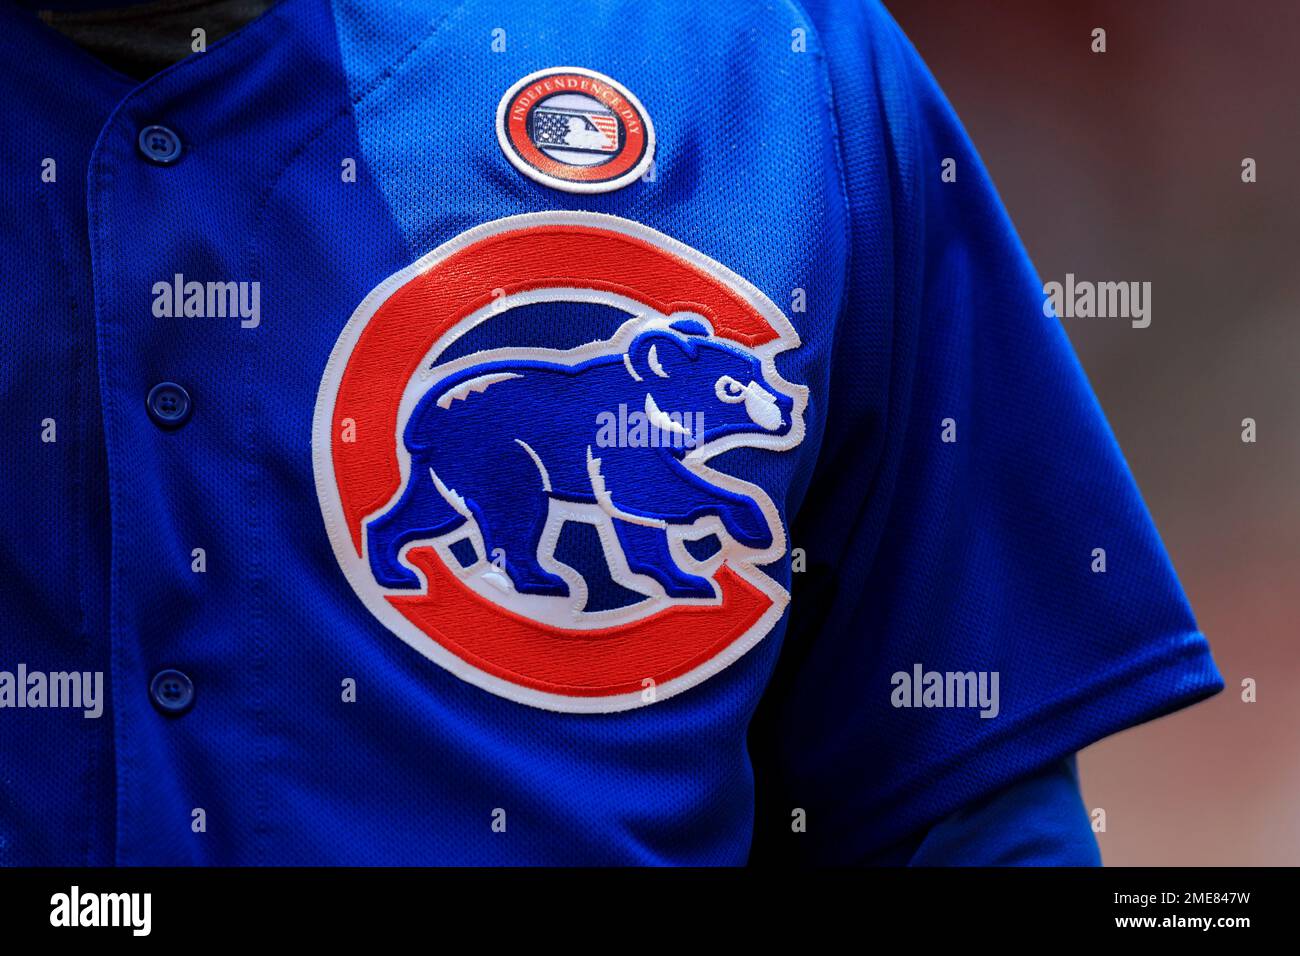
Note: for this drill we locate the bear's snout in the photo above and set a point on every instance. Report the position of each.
(762, 407)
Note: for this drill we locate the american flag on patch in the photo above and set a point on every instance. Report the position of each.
(575, 129)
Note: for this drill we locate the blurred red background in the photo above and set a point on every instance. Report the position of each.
(1126, 166)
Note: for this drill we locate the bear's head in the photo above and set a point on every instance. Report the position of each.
(684, 371)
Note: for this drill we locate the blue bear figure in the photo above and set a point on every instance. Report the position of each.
(499, 440)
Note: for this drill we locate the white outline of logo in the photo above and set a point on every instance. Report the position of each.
(741, 560)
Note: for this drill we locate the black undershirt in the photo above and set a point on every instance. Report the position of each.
(142, 39)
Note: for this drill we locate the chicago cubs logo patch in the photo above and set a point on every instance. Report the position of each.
(447, 475)
(576, 130)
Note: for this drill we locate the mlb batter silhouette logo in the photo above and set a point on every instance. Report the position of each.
(447, 476)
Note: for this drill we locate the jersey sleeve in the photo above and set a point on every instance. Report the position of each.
(1039, 820)
(967, 488)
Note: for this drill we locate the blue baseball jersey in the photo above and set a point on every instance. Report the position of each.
(465, 431)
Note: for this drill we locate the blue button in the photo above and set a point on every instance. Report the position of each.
(159, 145)
(169, 405)
(172, 692)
